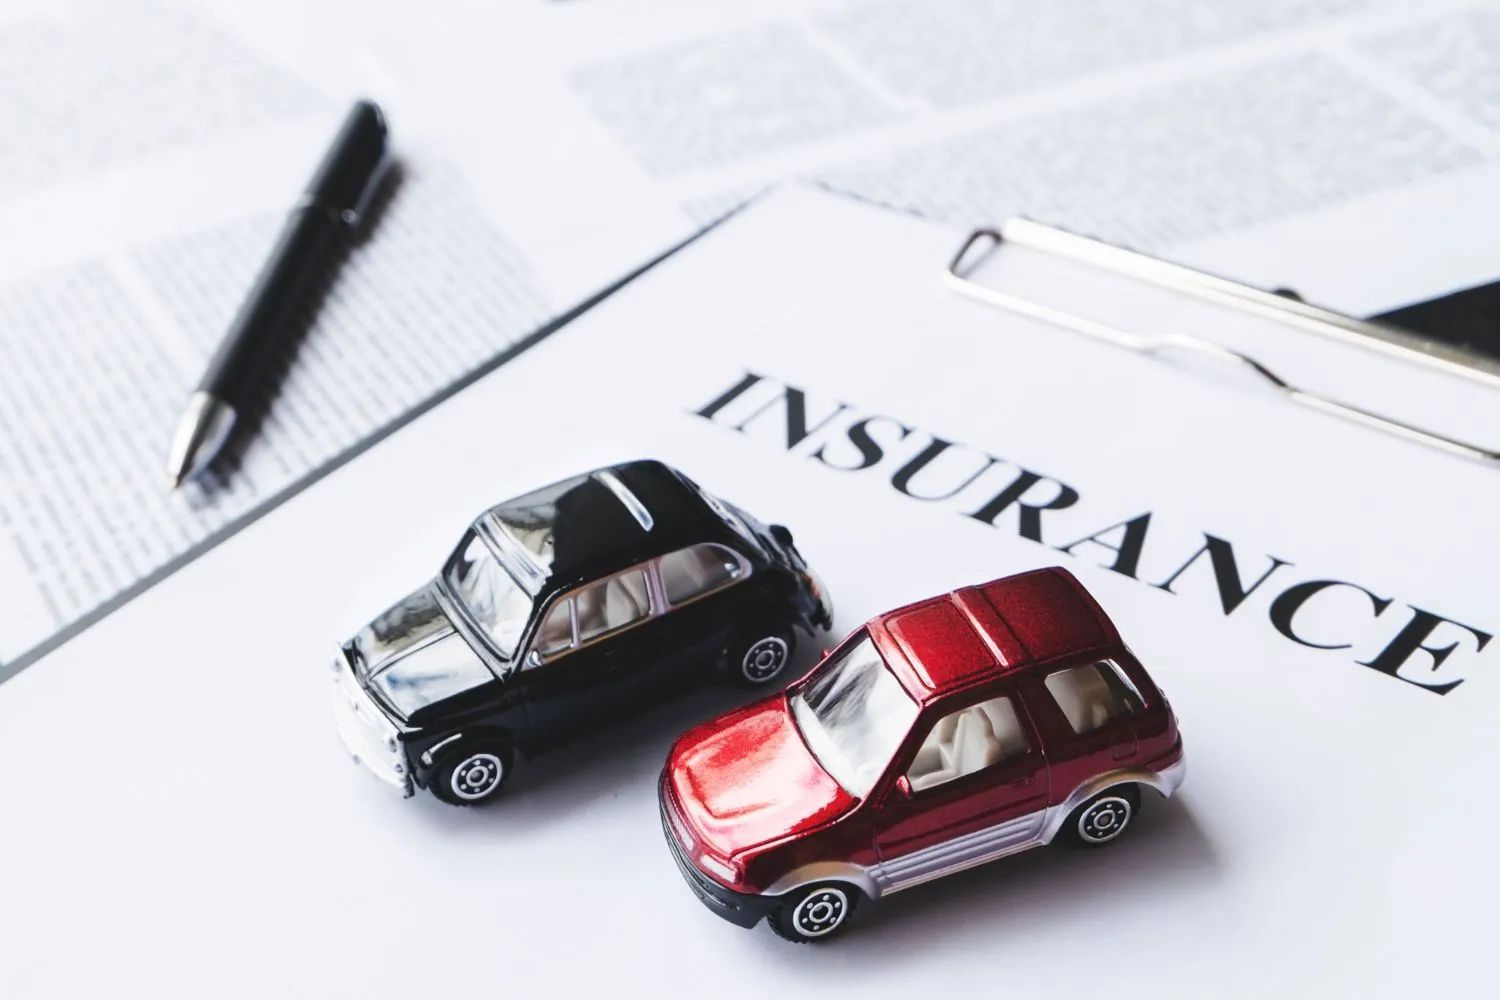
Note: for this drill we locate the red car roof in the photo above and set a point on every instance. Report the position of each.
(949, 642)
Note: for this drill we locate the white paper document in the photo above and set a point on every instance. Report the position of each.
(152, 146)
(150, 156)
(1250, 137)
(1314, 597)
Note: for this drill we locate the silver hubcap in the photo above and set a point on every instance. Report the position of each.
(1105, 820)
(820, 912)
(477, 776)
(764, 659)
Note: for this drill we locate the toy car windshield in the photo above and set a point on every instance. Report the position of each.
(852, 714)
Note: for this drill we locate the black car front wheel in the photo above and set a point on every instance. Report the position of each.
(815, 913)
(760, 656)
(472, 775)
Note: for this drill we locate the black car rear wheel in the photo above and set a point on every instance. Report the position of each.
(760, 656)
(472, 775)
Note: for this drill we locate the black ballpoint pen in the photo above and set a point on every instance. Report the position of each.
(316, 231)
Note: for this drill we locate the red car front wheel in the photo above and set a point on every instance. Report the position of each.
(814, 913)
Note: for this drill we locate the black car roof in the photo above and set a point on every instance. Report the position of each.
(592, 525)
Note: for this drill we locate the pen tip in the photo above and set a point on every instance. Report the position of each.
(204, 427)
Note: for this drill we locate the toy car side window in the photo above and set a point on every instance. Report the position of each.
(698, 570)
(1092, 695)
(611, 603)
(967, 741)
(555, 634)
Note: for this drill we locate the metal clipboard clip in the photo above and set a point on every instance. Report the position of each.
(1173, 277)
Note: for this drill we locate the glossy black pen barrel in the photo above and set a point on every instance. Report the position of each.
(346, 180)
(273, 312)
(280, 303)
(330, 208)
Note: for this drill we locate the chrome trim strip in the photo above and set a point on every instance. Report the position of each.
(990, 844)
(1009, 837)
(959, 853)
(632, 502)
(427, 754)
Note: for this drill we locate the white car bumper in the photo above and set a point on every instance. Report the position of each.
(369, 736)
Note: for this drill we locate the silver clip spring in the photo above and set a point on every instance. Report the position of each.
(1037, 236)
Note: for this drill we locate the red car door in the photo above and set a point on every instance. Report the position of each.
(973, 785)
(1087, 712)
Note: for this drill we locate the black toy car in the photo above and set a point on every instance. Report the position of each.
(561, 611)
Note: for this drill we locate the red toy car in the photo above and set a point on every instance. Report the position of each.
(936, 737)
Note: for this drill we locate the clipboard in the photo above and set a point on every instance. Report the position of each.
(1186, 281)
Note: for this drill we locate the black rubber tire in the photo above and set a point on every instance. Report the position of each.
(464, 766)
(750, 648)
(1104, 818)
(801, 913)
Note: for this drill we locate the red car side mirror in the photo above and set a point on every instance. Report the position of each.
(903, 786)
